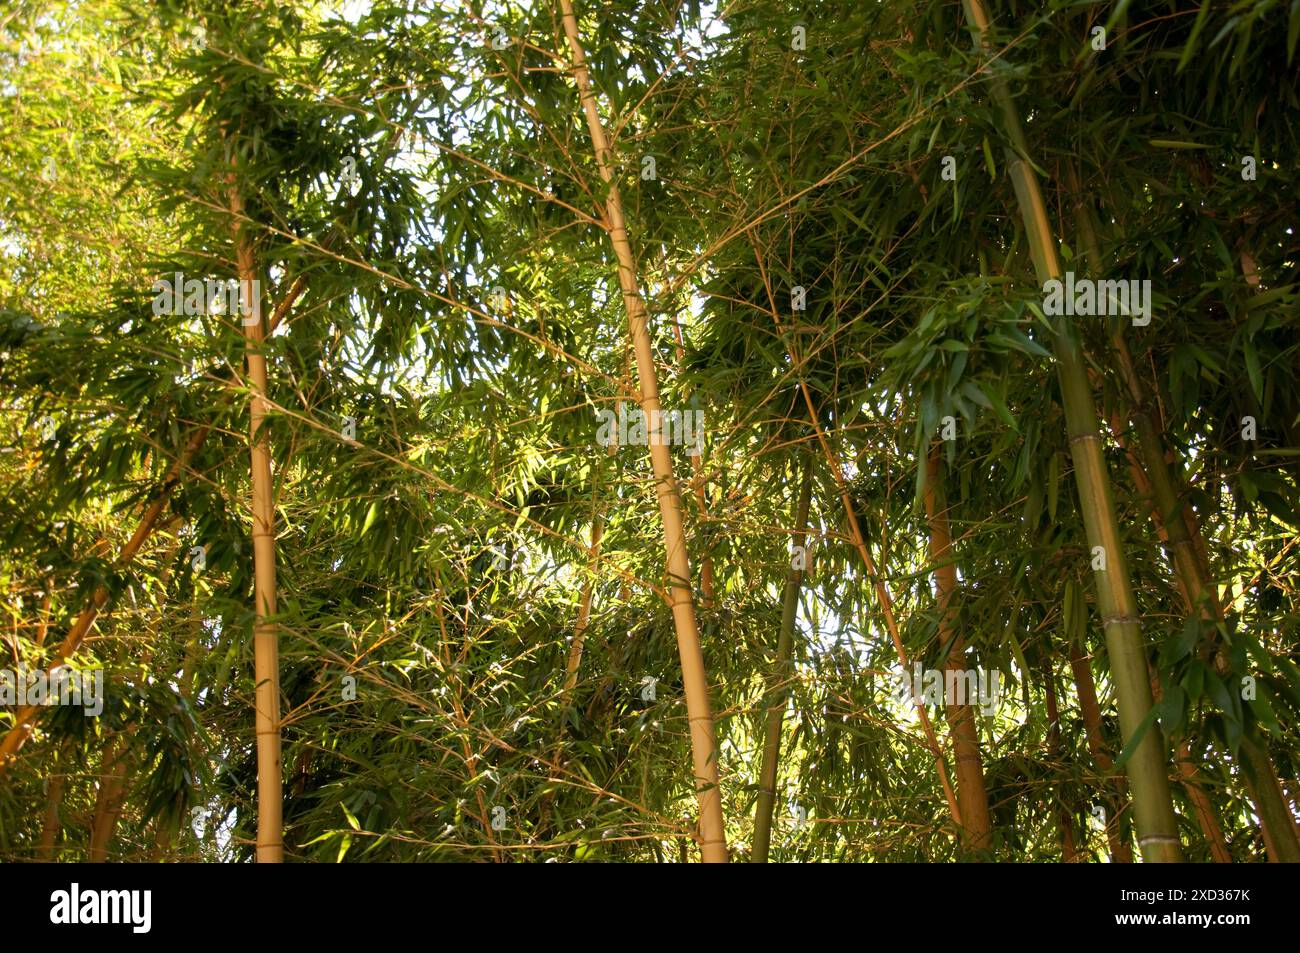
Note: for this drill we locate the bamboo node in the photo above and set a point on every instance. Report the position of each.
(1121, 619)
(1158, 839)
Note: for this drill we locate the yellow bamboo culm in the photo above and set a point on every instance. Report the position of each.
(713, 838)
(266, 642)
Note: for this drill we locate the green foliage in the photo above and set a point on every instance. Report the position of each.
(458, 300)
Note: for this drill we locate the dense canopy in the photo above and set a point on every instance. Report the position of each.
(649, 431)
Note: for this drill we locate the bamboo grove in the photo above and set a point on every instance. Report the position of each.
(655, 431)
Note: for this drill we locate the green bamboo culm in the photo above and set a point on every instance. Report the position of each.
(778, 686)
(1153, 808)
(1198, 590)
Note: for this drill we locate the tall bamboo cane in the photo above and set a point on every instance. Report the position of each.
(713, 838)
(108, 801)
(266, 642)
(150, 520)
(1086, 690)
(1064, 823)
(972, 798)
(1148, 772)
(778, 689)
(53, 807)
(1199, 594)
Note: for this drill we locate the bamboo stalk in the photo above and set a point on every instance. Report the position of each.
(108, 801)
(26, 718)
(1169, 515)
(1205, 816)
(1086, 690)
(1190, 778)
(972, 798)
(53, 822)
(266, 644)
(713, 838)
(1187, 771)
(1126, 650)
(778, 683)
(1064, 824)
(1274, 817)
